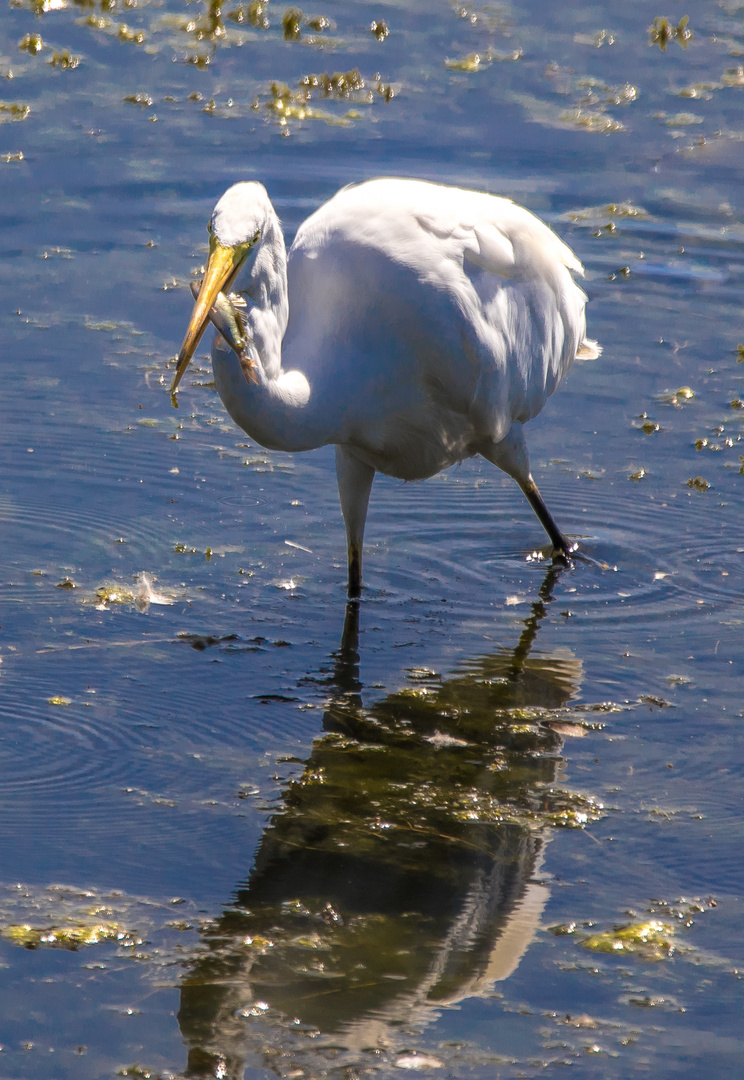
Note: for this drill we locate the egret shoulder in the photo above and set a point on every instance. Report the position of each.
(416, 222)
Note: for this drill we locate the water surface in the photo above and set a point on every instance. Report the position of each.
(488, 822)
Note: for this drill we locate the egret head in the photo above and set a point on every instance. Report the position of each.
(235, 228)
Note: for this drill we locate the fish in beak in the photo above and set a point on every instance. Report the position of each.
(222, 267)
(226, 315)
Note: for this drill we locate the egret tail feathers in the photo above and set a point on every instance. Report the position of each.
(588, 350)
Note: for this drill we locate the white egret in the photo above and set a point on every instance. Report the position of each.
(411, 324)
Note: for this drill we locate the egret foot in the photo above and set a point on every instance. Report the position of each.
(565, 553)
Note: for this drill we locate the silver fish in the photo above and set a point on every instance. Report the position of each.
(226, 316)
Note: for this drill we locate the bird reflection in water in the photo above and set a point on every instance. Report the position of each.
(398, 876)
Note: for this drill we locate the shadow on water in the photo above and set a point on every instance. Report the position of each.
(399, 875)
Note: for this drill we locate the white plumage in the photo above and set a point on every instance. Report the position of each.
(411, 324)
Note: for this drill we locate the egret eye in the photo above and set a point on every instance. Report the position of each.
(256, 238)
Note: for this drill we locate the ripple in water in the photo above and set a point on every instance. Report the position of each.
(50, 744)
(645, 557)
(58, 537)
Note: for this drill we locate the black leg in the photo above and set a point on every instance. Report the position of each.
(355, 571)
(561, 546)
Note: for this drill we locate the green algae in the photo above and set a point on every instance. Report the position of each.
(471, 62)
(292, 24)
(113, 593)
(139, 592)
(676, 398)
(66, 918)
(477, 61)
(64, 60)
(140, 99)
(61, 918)
(67, 936)
(130, 34)
(681, 119)
(340, 84)
(662, 32)
(648, 426)
(140, 1072)
(253, 13)
(593, 120)
(284, 104)
(319, 23)
(31, 43)
(13, 111)
(605, 220)
(733, 76)
(653, 940)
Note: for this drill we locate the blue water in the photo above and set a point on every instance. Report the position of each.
(331, 842)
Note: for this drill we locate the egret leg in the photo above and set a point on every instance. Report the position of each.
(354, 485)
(511, 455)
(561, 545)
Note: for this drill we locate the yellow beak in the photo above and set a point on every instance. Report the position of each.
(223, 264)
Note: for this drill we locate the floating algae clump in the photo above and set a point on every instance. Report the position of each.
(72, 936)
(662, 31)
(652, 940)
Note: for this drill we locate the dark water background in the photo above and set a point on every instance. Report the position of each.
(490, 824)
